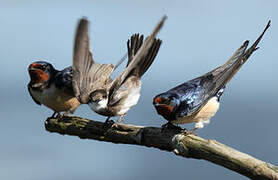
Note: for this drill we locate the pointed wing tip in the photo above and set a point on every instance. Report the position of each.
(84, 19)
(83, 22)
(254, 46)
(267, 26)
(269, 23)
(164, 17)
(161, 22)
(158, 26)
(246, 43)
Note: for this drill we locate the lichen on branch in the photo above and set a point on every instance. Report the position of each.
(182, 144)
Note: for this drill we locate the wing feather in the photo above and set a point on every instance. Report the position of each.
(87, 74)
(135, 60)
(197, 92)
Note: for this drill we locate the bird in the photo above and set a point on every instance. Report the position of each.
(113, 97)
(52, 88)
(197, 100)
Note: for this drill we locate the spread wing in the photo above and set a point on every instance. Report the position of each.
(133, 46)
(87, 74)
(141, 56)
(197, 92)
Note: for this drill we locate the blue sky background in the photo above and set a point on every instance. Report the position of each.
(197, 37)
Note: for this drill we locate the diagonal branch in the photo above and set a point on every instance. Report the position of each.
(189, 146)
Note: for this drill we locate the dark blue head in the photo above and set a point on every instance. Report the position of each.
(166, 104)
(40, 73)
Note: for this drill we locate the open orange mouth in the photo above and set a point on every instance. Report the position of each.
(37, 75)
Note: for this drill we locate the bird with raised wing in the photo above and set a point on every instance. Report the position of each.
(54, 88)
(114, 98)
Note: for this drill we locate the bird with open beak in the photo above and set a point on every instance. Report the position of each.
(197, 100)
(54, 88)
(112, 97)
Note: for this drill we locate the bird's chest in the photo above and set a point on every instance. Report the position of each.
(128, 101)
(55, 98)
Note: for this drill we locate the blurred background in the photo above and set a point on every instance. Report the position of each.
(197, 37)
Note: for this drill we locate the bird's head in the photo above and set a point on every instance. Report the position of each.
(98, 95)
(166, 104)
(40, 73)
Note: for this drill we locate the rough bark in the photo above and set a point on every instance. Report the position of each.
(186, 145)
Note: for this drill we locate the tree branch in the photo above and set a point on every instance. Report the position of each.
(189, 146)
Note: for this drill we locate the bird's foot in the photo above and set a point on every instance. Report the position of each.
(63, 115)
(120, 120)
(108, 123)
(59, 117)
(192, 131)
(54, 115)
(67, 113)
(116, 124)
(170, 126)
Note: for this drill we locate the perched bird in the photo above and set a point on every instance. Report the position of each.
(52, 88)
(112, 98)
(198, 99)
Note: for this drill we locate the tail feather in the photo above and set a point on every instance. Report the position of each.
(150, 57)
(120, 61)
(248, 53)
(254, 46)
(136, 61)
(87, 74)
(226, 72)
(133, 46)
(223, 74)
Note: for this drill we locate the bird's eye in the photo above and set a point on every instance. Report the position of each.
(95, 100)
(43, 67)
(166, 100)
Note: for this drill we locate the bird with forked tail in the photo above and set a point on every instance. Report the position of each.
(198, 99)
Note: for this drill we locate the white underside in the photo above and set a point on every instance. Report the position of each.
(131, 100)
(126, 103)
(202, 123)
(203, 116)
